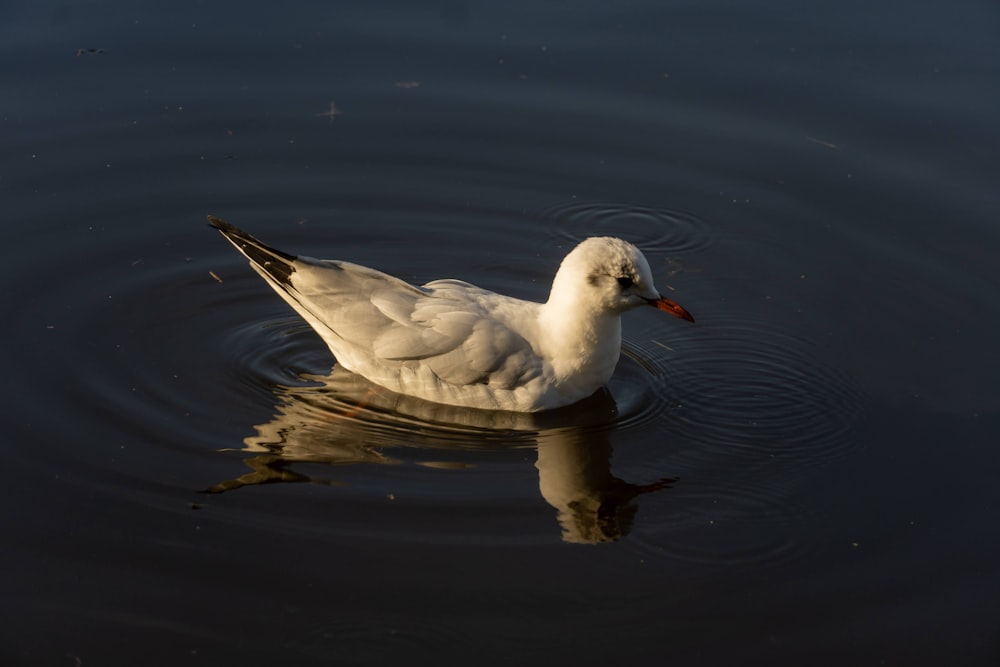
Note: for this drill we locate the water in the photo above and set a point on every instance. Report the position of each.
(807, 475)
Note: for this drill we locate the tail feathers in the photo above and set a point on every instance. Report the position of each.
(275, 263)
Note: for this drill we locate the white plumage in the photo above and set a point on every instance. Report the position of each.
(454, 343)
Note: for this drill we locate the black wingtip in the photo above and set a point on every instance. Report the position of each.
(276, 263)
(219, 223)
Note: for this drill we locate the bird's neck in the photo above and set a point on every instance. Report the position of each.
(581, 343)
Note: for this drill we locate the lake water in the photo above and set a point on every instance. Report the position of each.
(808, 475)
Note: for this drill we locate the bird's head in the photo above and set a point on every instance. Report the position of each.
(607, 274)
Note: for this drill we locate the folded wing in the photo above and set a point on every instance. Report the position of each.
(382, 327)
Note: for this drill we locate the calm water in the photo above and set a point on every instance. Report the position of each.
(808, 475)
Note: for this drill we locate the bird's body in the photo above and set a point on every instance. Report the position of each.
(454, 343)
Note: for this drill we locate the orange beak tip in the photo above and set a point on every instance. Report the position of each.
(674, 309)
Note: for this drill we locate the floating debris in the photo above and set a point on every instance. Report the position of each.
(217, 278)
(89, 52)
(827, 144)
(407, 84)
(331, 113)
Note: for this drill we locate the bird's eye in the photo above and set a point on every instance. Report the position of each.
(625, 282)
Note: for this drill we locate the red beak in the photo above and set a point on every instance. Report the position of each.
(666, 305)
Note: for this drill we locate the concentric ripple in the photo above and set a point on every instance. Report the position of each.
(652, 229)
(749, 408)
(640, 387)
(724, 522)
(754, 392)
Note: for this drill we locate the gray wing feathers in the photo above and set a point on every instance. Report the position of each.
(402, 325)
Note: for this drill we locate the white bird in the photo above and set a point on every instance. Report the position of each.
(454, 343)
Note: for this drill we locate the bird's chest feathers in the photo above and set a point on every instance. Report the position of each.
(584, 349)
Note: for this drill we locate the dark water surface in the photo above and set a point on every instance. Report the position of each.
(808, 475)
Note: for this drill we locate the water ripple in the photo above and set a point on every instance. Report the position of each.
(654, 230)
(755, 392)
(722, 522)
(639, 387)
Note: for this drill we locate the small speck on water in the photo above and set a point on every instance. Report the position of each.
(825, 144)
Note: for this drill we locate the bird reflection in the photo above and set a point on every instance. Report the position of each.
(344, 420)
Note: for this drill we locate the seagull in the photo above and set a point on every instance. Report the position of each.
(453, 343)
